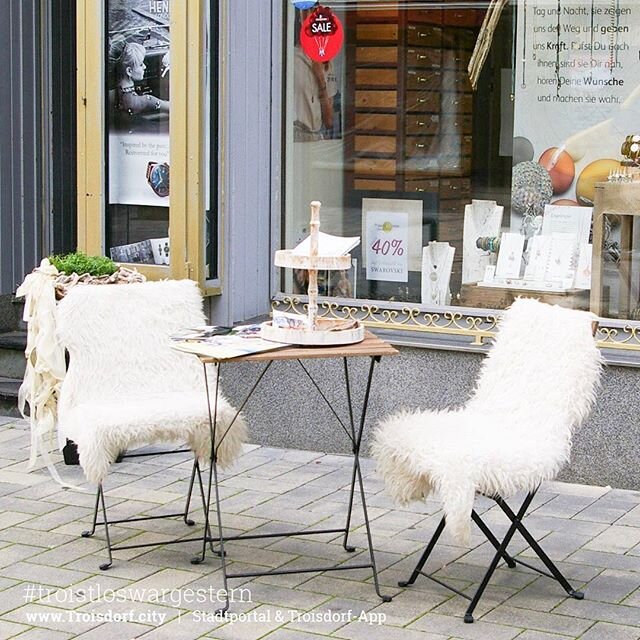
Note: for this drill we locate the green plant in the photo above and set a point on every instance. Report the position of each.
(81, 263)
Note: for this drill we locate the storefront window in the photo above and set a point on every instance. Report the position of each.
(137, 122)
(465, 143)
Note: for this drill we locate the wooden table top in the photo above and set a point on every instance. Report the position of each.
(370, 346)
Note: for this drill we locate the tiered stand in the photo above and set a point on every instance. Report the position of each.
(315, 334)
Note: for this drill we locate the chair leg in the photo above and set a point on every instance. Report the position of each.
(511, 563)
(500, 553)
(533, 543)
(188, 521)
(89, 533)
(425, 555)
(106, 565)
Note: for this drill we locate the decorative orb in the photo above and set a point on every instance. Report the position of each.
(531, 188)
(522, 150)
(597, 171)
(561, 168)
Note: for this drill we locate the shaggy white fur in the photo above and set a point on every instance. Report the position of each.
(537, 385)
(125, 385)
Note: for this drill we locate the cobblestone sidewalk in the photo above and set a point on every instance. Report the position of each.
(51, 587)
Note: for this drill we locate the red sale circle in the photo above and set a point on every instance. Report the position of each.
(321, 35)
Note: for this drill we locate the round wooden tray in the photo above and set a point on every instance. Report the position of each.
(310, 338)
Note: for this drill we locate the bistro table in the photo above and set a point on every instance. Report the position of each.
(371, 347)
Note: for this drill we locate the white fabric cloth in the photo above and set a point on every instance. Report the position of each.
(45, 366)
(537, 385)
(125, 385)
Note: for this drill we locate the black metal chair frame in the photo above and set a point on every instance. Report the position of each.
(100, 504)
(501, 553)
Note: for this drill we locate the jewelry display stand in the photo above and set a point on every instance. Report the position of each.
(319, 331)
(482, 218)
(437, 264)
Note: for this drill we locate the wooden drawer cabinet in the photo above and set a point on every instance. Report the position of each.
(422, 124)
(421, 80)
(413, 105)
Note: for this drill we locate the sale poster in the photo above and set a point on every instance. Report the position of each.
(387, 236)
(577, 90)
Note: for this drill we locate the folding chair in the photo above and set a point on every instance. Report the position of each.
(126, 387)
(537, 385)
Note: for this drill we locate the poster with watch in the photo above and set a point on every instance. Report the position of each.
(137, 76)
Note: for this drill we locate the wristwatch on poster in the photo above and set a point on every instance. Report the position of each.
(158, 178)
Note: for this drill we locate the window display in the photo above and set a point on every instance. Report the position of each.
(470, 133)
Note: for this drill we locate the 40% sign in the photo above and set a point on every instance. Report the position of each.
(388, 247)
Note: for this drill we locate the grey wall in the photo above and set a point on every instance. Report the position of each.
(286, 412)
(21, 192)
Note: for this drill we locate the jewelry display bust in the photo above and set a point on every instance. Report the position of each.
(437, 263)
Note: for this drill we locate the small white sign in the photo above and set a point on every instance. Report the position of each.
(387, 242)
(510, 255)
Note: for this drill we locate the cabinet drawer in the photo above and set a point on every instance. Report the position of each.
(453, 210)
(377, 55)
(370, 166)
(376, 122)
(425, 16)
(455, 188)
(376, 99)
(421, 80)
(374, 14)
(427, 124)
(365, 184)
(461, 17)
(424, 35)
(455, 145)
(420, 147)
(460, 124)
(455, 59)
(456, 80)
(423, 101)
(377, 32)
(430, 185)
(455, 165)
(375, 144)
(377, 77)
(424, 58)
(457, 103)
(419, 166)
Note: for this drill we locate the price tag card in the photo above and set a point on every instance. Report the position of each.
(387, 236)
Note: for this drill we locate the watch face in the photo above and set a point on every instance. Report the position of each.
(158, 178)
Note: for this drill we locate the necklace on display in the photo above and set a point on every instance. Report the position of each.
(439, 270)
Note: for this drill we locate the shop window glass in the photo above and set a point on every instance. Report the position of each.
(466, 143)
(137, 123)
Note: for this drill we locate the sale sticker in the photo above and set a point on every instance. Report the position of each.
(387, 237)
(321, 35)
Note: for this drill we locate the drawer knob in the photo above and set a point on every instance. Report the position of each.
(421, 100)
(419, 145)
(420, 123)
(422, 79)
(421, 56)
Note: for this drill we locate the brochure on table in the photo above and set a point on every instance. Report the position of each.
(239, 341)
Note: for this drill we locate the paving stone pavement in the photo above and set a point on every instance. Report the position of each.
(52, 589)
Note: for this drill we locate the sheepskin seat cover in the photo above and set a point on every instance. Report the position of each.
(537, 385)
(126, 386)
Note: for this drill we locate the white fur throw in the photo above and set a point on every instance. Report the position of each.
(125, 385)
(537, 385)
